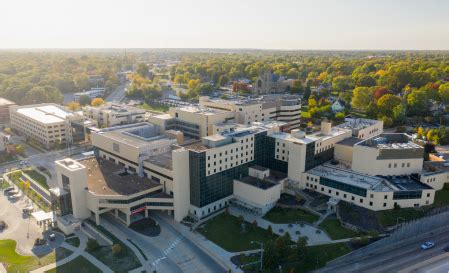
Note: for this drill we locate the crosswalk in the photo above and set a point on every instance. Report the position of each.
(167, 251)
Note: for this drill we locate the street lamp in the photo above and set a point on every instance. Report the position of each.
(261, 253)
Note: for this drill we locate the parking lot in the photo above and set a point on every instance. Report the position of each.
(19, 224)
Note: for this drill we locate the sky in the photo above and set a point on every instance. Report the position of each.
(263, 24)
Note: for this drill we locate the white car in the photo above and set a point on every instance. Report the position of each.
(427, 245)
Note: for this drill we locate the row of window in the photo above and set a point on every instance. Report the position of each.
(395, 165)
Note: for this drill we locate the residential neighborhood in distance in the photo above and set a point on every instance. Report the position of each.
(224, 137)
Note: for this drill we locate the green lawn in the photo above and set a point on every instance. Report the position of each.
(388, 218)
(154, 107)
(123, 262)
(336, 231)
(317, 257)
(17, 263)
(283, 216)
(74, 241)
(225, 231)
(78, 265)
(39, 178)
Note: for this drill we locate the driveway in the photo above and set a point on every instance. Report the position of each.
(169, 251)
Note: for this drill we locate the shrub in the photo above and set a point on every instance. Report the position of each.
(396, 206)
(254, 224)
(92, 245)
(116, 249)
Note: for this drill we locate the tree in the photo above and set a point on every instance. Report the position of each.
(270, 230)
(301, 247)
(365, 81)
(254, 223)
(193, 83)
(399, 113)
(312, 103)
(73, 106)
(387, 103)
(296, 87)
(281, 246)
(142, 70)
(388, 122)
(20, 149)
(84, 100)
(240, 219)
(417, 102)
(97, 102)
(443, 91)
(339, 116)
(270, 256)
(341, 83)
(380, 91)
(362, 97)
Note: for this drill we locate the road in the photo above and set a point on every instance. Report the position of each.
(46, 160)
(118, 94)
(169, 251)
(397, 259)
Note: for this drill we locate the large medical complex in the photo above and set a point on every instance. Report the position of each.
(198, 159)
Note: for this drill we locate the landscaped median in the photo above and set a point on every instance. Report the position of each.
(16, 177)
(118, 257)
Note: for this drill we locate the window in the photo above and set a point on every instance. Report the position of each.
(330, 191)
(361, 200)
(371, 195)
(395, 165)
(344, 195)
(428, 194)
(385, 204)
(408, 164)
(389, 165)
(386, 196)
(370, 203)
(352, 198)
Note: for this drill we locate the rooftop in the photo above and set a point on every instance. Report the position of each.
(201, 110)
(391, 141)
(351, 141)
(4, 102)
(406, 182)
(107, 178)
(162, 160)
(356, 179)
(45, 113)
(256, 182)
(357, 123)
(119, 108)
(137, 134)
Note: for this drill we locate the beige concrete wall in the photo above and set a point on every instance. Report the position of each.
(126, 151)
(264, 199)
(436, 180)
(365, 161)
(343, 153)
(181, 183)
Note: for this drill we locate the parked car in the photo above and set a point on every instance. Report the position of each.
(427, 245)
(446, 249)
(52, 237)
(5, 191)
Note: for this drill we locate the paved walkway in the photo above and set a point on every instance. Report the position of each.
(77, 251)
(305, 230)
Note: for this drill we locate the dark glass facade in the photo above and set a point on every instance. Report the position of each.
(398, 195)
(313, 160)
(342, 186)
(264, 153)
(208, 189)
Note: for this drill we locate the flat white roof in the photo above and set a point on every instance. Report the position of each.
(46, 113)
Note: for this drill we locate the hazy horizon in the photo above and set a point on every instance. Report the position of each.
(324, 25)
